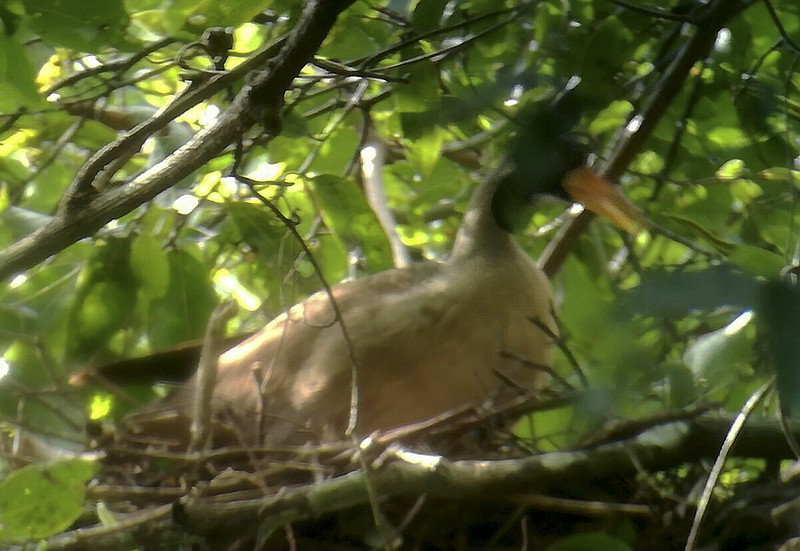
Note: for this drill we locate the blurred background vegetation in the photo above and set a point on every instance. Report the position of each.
(656, 324)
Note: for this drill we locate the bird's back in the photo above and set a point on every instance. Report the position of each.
(424, 340)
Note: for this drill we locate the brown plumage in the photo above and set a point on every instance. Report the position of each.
(424, 339)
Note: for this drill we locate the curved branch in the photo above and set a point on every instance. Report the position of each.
(639, 128)
(662, 446)
(260, 101)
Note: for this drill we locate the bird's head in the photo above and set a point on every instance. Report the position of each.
(547, 158)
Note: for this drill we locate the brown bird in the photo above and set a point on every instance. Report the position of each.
(421, 340)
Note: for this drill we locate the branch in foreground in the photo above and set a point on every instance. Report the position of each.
(260, 101)
(661, 447)
(632, 139)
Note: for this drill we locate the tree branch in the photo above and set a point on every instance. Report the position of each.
(659, 447)
(260, 101)
(639, 128)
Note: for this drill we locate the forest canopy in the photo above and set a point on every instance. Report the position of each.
(159, 158)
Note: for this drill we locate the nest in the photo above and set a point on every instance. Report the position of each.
(340, 495)
(464, 480)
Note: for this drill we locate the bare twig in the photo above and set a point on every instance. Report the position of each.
(291, 225)
(719, 462)
(373, 157)
(207, 375)
(260, 101)
(781, 29)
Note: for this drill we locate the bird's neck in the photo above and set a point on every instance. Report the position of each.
(479, 233)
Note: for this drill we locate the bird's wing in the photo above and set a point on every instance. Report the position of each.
(422, 340)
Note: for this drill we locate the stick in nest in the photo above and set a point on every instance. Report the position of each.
(207, 375)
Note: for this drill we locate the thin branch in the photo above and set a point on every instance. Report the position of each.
(213, 343)
(714, 16)
(112, 157)
(439, 31)
(11, 118)
(778, 25)
(719, 462)
(658, 14)
(291, 225)
(260, 101)
(444, 53)
(118, 66)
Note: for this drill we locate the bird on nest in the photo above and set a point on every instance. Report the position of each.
(420, 340)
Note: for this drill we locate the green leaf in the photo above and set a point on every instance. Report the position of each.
(779, 311)
(715, 355)
(218, 13)
(101, 310)
(337, 151)
(428, 14)
(43, 499)
(606, 48)
(550, 428)
(419, 104)
(103, 299)
(756, 261)
(590, 541)
(421, 93)
(182, 313)
(611, 118)
(72, 24)
(348, 40)
(733, 168)
(17, 85)
(426, 149)
(679, 292)
(258, 228)
(349, 217)
(273, 251)
(150, 266)
(682, 388)
(728, 137)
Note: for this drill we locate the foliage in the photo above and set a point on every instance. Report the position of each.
(656, 323)
(39, 500)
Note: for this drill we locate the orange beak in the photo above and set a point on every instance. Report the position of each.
(603, 198)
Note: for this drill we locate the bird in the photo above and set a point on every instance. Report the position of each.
(408, 344)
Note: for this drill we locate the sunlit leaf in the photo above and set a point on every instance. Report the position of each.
(611, 118)
(715, 356)
(728, 137)
(348, 215)
(42, 499)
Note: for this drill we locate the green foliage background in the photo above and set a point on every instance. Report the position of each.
(654, 323)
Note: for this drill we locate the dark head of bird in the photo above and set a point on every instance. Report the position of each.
(545, 148)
